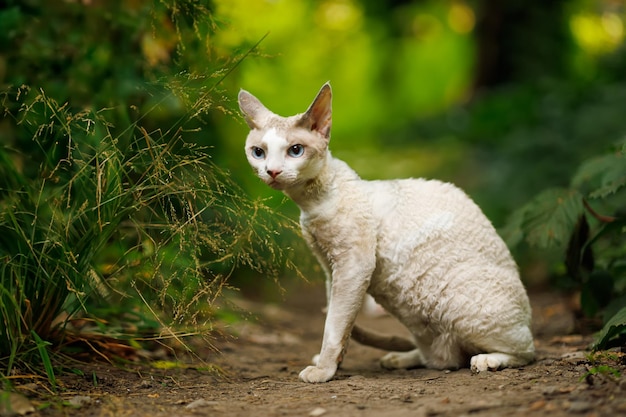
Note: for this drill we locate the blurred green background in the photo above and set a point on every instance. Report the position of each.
(496, 97)
(506, 99)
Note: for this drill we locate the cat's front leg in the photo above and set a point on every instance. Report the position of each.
(346, 297)
(333, 347)
(336, 334)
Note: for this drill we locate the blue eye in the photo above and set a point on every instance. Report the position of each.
(258, 153)
(296, 151)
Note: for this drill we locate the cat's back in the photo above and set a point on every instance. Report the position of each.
(434, 242)
(421, 212)
(418, 199)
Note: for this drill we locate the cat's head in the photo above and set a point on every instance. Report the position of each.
(287, 151)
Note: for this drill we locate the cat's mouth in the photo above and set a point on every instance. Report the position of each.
(283, 183)
(277, 185)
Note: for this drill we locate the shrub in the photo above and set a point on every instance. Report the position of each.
(588, 222)
(88, 219)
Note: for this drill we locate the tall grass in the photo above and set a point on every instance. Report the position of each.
(90, 219)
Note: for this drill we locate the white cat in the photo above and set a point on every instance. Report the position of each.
(423, 250)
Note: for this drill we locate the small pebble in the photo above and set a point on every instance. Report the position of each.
(79, 400)
(15, 404)
(201, 402)
(319, 411)
(580, 406)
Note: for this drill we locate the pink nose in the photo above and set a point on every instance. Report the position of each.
(274, 174)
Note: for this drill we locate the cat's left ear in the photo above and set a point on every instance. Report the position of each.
(318, 117)
(254, 112)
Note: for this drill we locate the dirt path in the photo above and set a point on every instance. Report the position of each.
(262, 367)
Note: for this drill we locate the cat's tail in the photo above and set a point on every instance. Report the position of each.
(380, 341)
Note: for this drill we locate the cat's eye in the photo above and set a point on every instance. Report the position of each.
(258, 153)
(295, 151)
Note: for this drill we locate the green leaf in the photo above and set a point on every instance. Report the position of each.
(42, 348)
(512, 232)
(550, 217)
(615, 327)
(601, 176)
(612, 182)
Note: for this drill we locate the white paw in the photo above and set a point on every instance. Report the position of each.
(485, 362)
(391, 360)
(314, 374)
(316, 359)
(402, 360)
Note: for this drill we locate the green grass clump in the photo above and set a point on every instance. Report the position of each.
(94, 221)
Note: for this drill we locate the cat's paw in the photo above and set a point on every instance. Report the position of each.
(391, 361)
(314, 374)
(486, 362)
(402, 360)
(495, 361)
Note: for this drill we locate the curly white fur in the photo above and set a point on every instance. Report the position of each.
(423, 249)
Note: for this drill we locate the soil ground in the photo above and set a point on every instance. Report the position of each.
(262, 363)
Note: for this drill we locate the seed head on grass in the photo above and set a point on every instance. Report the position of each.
(146, 223)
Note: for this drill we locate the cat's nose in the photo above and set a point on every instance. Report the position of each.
(274, 173)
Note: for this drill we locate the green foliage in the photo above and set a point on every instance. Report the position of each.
(415, 61)
(604, 175)
(547, 220)
(594, 243)
(602, 370)
(42, 349)
(150, 222)
(108, 211)
(603, 364)
(116, 214)
(613, 329)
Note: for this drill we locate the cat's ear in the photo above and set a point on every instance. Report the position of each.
(254, 112)
(318, 117)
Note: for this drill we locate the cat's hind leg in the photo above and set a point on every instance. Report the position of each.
(440, 352)
(403, 360)
(494, 361)
(443, 353)
(509, 349)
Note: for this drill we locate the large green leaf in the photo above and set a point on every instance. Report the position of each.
(601, 176)
(615, 327)
(512, 232)
(550, 217)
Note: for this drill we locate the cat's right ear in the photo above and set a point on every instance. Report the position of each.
(318, 117)
(254, 112)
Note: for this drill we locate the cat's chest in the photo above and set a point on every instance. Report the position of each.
(340, 226)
